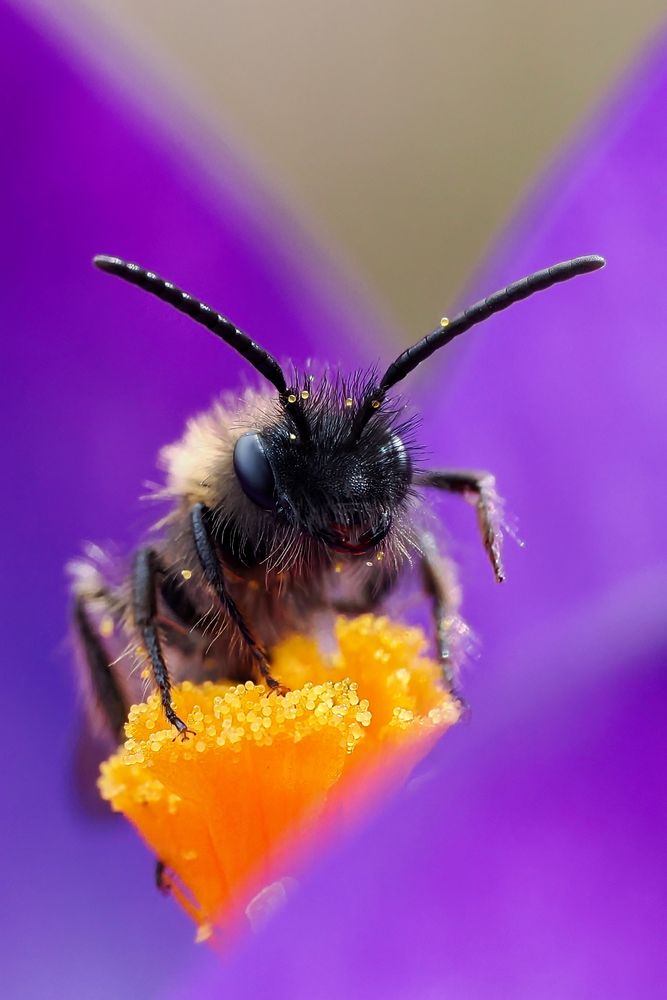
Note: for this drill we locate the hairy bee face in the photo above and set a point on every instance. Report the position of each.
(311, 471)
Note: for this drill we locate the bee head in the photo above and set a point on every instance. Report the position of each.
(313, 470)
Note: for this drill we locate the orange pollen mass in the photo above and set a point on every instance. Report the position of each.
(268, 779)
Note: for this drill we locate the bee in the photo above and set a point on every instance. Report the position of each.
(301, 498)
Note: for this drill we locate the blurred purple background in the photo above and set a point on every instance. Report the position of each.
(528, 858)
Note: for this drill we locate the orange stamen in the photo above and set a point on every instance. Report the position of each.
(263, 774)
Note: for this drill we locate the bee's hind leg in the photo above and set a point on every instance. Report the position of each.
(107, 693)
(210, 563)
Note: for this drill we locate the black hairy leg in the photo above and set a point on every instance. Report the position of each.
(440, 585)
(107, 692)
(209, 559)
(144, 603)
(481, 487)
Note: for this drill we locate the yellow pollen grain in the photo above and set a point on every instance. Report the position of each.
(305, 394)
(444, 321)
(376, 404)
(349, 401)
(380, 556)
(186, 574)
(291, 398)
(106, 627)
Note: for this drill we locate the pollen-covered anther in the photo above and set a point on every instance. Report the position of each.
(261, 775)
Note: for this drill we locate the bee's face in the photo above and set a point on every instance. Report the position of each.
(343, 493)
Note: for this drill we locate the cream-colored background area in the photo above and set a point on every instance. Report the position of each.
(404, 132)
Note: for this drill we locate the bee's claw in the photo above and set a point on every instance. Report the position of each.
(184, 735)
(181, 729)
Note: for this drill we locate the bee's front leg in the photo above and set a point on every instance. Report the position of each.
(480, 487)
(210, 563)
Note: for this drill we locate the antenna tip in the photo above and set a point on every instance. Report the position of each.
(110, 264)
(592, 262)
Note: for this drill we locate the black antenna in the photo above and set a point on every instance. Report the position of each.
(449, 329)
(260, 359)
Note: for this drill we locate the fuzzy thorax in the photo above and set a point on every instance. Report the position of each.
(265, 774)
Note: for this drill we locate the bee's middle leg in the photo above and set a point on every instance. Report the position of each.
(439, 580)
(144, 601)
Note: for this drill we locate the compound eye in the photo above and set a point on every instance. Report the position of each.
(253, 471)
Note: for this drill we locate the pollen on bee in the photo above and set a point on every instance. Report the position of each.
(106, 627)
(305, 394)
(369, 562)
(380, 556)
(444, 321)
(375, 404)
(186, 574)
(338, 568)
(291, 398)
(349, 402)
(292, 437)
